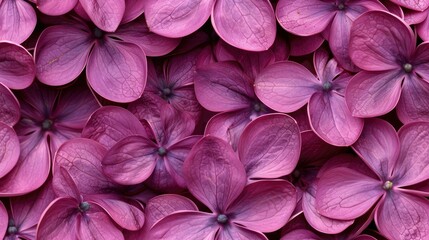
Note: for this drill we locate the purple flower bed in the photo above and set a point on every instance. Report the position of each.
(214, 119)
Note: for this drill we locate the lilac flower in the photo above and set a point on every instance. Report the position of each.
(394, 164)
(395, 71)
(116, 65)
(17, 70)
(335, 17)
(253, 28)
(217, 178)
(287, 86)
(48, 118)
(17, 20)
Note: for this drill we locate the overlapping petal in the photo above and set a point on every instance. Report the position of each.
(17, 20)
(9, 107)
(106, 14)
(17, 69)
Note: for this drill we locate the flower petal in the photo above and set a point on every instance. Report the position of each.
(418, 5)
(110, 124)
(346, 194)
(17, 69)
(285, 86)
(61, 53)
(413, 163)
(175, 19)
(248, 25)
(117, 70)
(379, 147)
(269, 146)
(64, 185)
(214, 174)
(300, 46)
(133, 9)
(223, 86)
(55, 8)
(420, 63)
(3, 220)
(97, 225)
(304, 18)
(238, 232)
(339, 38)
(131, 160)
(264, 206)
(403, 216)
(332, 121)
(17, 20)
(9, 107)
(371, 94)
(379, 40)
(105, 14)
(413, 105)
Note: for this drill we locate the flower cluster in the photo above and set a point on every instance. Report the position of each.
(214, 119)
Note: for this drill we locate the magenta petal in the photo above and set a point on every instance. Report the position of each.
(304, 18)
(61, 54)
(254, 27)
(413, 105)
(403, 216)
(17, 20)
(9, 109)
(240, 233)
(269, 146)
(375, 46)
(97, 225)
(346, 194)
(182, 225)
(175, 19)
(131, 160)
(110, 124)
(223, 86)
(264, 206)
(421, 60)
(214, 174)
(117, 71)
(106, 14)
(133, 9)
(300, 46)
(3, 220)
(332, 121)
(17, 69)
(63, 184)
(124, 214)
(55, 8)
(418, 5)
(285, 86)
(378, 146)
(371, 94)
(422, 29)
(302, 234)
(59, 219)
(413, 163)
(339, 38)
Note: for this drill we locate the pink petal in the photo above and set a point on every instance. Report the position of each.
(64, 185)
(55, 8)
(413, 105)
(17, 20)
(410, 16)
(180, 70)
(418, 5)
(131, 160)
(304, 18)
(17, 69)
(300, 46)
(285, 86)
(58, 221)
(124, 214)
(117, 70)
(254, 24)
(269, 146)
(174, 126)
(97, 225)
(214, 174)
(238, 232)
(153, 45)
(413, 163)
(9, 108)
(346, 194)
(3, 220)
(175, 19)
(332, 121)
(82, 159)
(106, 14)
(183, 224)
(264, 206)
(378, 146)
(371, 94)
(61, 54)
(302, 234)
(227, 84)
(162, 181)
(403, 216)
(420, 65)
(133, 9)
(110, 124)
(422, 29)
(376, 46)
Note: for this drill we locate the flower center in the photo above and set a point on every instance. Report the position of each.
(222, 218)
(341, 6)
(387, 185)
(407, 67)
(162, 151)
(98, 33)
(47, 124)
(327, 86)
(257, 107)
(84, 206)
(12, 229)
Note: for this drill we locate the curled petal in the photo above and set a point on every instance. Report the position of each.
(17, 20)
(17, 69)
(9, 107)
(106, 14)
